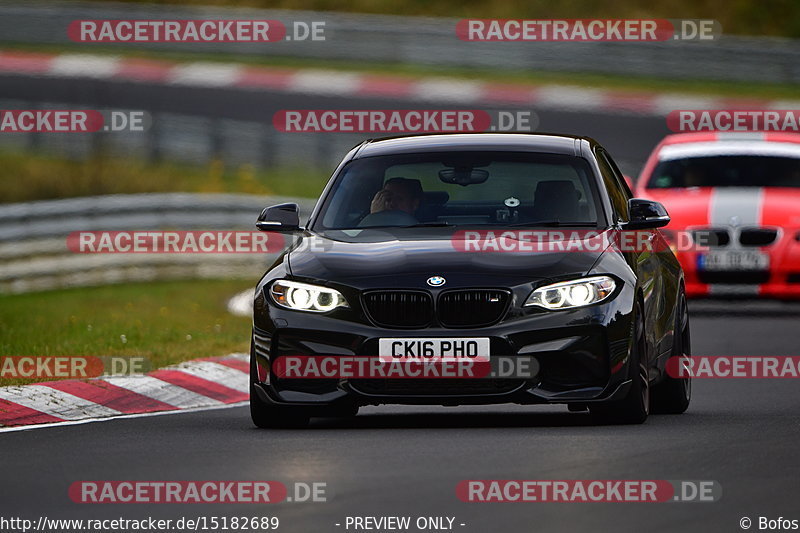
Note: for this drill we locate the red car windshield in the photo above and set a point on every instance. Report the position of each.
(727, 171)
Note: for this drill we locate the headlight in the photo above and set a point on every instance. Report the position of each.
(569, 294)
(305, 297)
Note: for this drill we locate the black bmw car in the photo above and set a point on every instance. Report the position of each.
(497, 246)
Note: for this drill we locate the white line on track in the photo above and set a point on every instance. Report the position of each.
(445, 89)
(570, 97)
(205, 74)
(84, 66)
(325, 82)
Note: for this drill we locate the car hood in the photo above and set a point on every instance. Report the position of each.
(374, 259)
(781, 207)
(730, 206)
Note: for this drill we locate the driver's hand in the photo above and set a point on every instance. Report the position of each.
(381, 202)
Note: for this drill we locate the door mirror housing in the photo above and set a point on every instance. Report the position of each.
(646, 214)
(284, 218)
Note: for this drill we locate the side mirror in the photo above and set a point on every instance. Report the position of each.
(646, 214)
(283, 218)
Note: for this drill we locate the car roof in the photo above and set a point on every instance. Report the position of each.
(679, 145)
(682, 145)
(739, 137)
(516, 142)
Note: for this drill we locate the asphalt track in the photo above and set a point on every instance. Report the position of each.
(406, 461)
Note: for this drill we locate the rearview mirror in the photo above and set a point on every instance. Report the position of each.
(463, 176)
(282, 218)
(646, 214)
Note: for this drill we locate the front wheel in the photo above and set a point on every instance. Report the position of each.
(634, 408)
(672, 395)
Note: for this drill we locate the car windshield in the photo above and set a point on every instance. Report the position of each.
(727, 171)
(461, 189)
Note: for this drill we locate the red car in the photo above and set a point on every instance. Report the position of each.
(734, 199)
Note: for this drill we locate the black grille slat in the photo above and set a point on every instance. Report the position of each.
(721, 237)
(461, 308)
(711, 237)
(472, 308)
(399, 309)
(757, 236)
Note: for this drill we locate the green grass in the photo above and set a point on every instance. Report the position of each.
(26, 176)
(644, 84)
(165, 322)
(749, 17)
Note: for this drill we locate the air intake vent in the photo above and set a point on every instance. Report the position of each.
(436, 387)
(734, 278)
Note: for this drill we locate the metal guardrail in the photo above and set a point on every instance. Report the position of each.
(34, 253)
(48, 218)
(190, 138)
(429, 41)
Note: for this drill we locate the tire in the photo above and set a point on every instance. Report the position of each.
(673, 395)
(267, 416)
(634, 408)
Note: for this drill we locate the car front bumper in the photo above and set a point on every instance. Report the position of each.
(582, 357)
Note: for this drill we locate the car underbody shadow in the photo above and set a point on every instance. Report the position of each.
(445, 420)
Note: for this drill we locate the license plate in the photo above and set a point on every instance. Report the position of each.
(428, 348)
(734, 260)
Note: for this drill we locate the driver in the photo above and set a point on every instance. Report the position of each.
(398, 194)
(694, 177)
(395, 204)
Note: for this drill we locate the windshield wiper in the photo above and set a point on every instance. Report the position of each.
(550, 224)
(429, 225)
(420, 225)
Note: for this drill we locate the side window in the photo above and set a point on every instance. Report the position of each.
(620, 176)
(618, 191)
